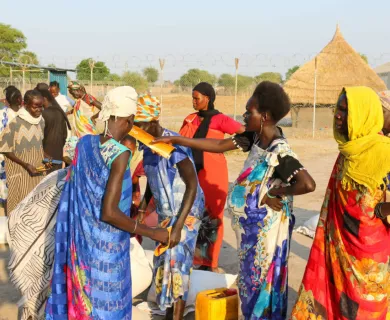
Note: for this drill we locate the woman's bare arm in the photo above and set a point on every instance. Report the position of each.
(208, 145)
(113, 215)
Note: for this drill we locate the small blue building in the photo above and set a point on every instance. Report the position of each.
(54, 74)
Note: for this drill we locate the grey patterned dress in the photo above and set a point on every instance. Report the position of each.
(25, 141)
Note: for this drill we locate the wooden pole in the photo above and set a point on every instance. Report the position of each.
(23, 81)
(91, 66)
(315, 96)
(162, 64)
(236, 61)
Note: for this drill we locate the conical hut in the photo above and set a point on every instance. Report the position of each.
(338, 65)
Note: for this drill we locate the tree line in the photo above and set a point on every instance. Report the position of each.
(13, 47)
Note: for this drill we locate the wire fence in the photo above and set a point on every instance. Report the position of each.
(172, 77)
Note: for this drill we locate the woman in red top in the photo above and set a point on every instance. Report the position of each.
(212, 171)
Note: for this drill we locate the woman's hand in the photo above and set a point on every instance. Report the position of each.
(168, 140)
(175, 236)
(32, 171)
(94, 117)
(274, 203)
(161, 235)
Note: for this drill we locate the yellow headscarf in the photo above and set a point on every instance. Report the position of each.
(367, 154)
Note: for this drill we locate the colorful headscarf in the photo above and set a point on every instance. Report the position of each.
(366, 152)
(385, 99)
(74, 85)
(148, 109)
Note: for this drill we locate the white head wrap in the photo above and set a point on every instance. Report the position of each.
(119, 102)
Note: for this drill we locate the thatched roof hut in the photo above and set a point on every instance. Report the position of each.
(338, 65)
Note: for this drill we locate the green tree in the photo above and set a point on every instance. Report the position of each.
(114, 77)
(100, 70)
(12, 42)
(135, 80)
(28, 57)
(364, 57)
(244, 82)
(51, 65)
(269, 76)
(151, 74)
(227, 81)
(194, 76)
(291, 71)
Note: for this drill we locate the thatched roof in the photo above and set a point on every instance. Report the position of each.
(338, 65)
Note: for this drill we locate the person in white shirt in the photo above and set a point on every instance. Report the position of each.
(64, 101)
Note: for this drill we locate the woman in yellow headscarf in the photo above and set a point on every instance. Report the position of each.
(347, 275)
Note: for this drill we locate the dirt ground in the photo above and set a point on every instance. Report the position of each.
(318, 156)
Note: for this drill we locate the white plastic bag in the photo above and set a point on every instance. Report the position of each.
(141, 271)
(309, 227)
(200, 281)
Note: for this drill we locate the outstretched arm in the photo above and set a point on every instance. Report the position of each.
(208, 145)
(113, 215)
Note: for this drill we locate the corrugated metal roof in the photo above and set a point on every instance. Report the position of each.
(35, 66)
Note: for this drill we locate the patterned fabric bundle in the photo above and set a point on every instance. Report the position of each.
(148, 109)
(32, 256)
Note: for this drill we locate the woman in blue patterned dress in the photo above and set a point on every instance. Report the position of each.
(7, 113)
(179, 204)
(91, 272)
(260, 201)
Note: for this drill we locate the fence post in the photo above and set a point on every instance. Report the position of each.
(91, 66)
(10, 74)
(315, 96)
(162, 64)
(24, 82)
(236, 61)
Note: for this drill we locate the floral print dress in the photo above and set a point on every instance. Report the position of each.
(263, 234)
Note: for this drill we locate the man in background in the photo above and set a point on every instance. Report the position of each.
(56, 129)
(65, 102)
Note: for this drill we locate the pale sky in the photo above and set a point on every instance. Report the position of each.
(265, 35)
